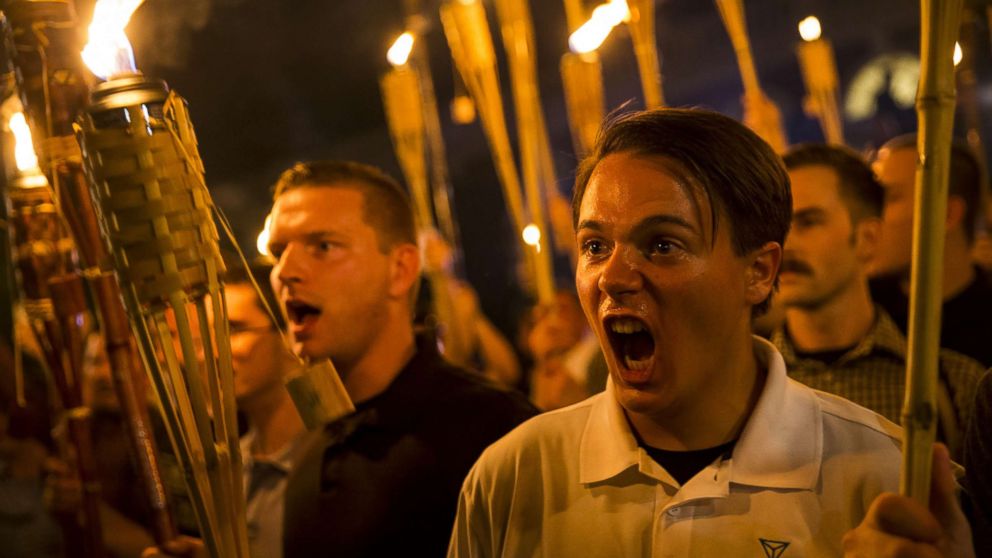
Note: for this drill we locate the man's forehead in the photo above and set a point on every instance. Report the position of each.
(626, 184)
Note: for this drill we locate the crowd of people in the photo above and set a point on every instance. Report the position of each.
(649, 416)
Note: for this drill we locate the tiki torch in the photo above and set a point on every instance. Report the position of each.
(642, 33)
(935, 102)
(467, 31)
(761, 115)
(582, 71)
(816, 59)
(406, 115)
(582, 78)
(156, 218)
(52, 293)
(535, 150)
(54, 85)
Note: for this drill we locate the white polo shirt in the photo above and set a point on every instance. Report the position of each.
(575, 483)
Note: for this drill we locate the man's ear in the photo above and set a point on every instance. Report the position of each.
(867, 235)
(404, 269)
(956, 210)
(763, 265)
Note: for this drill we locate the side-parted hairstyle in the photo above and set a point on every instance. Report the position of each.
(386, 206)
(740, 175)
(966, 178)
(260, 271)
(858, 186)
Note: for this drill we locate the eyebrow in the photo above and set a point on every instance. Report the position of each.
(648, 222)
(808, 212)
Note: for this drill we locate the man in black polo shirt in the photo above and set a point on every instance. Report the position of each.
(966, 316)
(383, 481)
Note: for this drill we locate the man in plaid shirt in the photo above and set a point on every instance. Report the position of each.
(835, 338)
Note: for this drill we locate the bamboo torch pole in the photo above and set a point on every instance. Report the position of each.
(518, 41)
(935, 108)
(642, 32)
(816, 60)
(760, 113)
(401, 95)
(467, 31)
(52, 292)
(55, 86)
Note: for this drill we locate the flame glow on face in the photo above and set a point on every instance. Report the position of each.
(262, 241)
(108, 51)
(593, 32)
(23, 147)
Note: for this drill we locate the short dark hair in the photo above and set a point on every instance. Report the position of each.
(858, 186)
(966, 178)
(738, 172)
(259, 270)
(386, 206)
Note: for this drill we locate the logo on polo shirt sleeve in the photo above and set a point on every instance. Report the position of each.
(773, 549)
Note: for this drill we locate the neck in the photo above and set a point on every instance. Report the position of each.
(717, 415)
(837, 324)
(958, 270)
(274, 419)
(382, 361)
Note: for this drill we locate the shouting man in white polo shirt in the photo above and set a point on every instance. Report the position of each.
(700, 445)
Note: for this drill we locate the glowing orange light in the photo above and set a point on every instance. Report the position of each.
(593, 32)
(108, 52)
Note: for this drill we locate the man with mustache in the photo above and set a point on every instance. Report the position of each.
(383, 481)
(835, 338)
(700, 445)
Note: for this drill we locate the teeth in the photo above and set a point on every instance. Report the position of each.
(637, 364)
(626, 325)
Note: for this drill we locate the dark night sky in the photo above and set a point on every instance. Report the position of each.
(271, 82)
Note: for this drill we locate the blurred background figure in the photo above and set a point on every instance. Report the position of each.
(276, 438)
(966, 316)
(27, 530)
(568, 364)
(483, 347)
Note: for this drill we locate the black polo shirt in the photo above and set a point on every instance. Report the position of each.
(384, 481)
(966, 318)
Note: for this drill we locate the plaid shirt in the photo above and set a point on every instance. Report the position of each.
(873, 373)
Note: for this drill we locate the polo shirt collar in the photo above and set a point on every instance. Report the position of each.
(283, 460)
(781, 445)
(884, 336)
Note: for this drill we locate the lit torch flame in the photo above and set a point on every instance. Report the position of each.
(24, 154)
(809, 29)
(108, 52)
(262, 242)
(604, 18)
(958, 54)
(532, 235)
(399, 53)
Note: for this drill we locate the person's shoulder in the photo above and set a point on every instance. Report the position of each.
(858, 423)
(961, 368)
(555, 432)
(459, 384)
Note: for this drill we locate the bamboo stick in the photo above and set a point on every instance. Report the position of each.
(642, 33)
(518, 41)
(935, 109)
(764, 116)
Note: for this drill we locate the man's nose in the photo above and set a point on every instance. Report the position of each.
(621, 273)
(290, 268)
